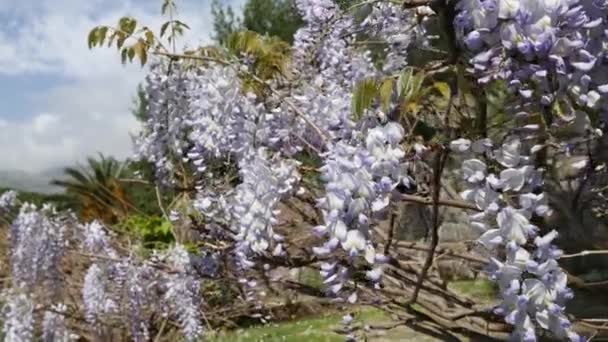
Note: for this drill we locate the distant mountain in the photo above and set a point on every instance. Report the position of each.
(32, 182)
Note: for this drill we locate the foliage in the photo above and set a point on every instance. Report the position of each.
(139, 104)
(275, 18)
(153, 232)
(309, 329)
(98, 189)
(225, 22)
(60, 201)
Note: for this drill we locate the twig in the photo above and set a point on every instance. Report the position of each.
(176, 56)
(391, 231)
(161, 330)
(441, 202)
(440, 160)
(134, 180)
(416, 3)
(160, 203)
(584, 253)
(444, 251)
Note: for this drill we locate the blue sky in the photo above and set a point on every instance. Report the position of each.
(60, 101)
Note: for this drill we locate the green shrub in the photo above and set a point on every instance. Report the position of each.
(152, 231)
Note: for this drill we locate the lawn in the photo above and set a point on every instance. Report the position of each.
(319, 329)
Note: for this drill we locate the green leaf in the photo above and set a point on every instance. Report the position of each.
(416, 84)
(410, 86)
(443, 88)
(92, 38)
(123, 56)
(182, 24)
(121, 39)
(363, 96)
(386, 92)
(127, 25)
(111, 39)
(404, 81)
(101, 35)
(166, 4)
(131, 53)
(163, 28)
(140, 51)
(149, 37)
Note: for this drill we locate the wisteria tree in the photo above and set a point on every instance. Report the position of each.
(375, 104)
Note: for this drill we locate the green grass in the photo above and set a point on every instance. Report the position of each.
(482, 289)
(321, 328)
(303, 330)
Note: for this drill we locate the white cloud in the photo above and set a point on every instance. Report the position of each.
(88, 109)
(44, 122)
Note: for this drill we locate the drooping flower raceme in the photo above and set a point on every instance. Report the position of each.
(550, 53)
(8, 199)
(18, 317)
(398, 27)
(38, 242)
(264, 183)
(533, 287)
(95, 240)
(197, 114)
(182, 293)
(359, 180)
(95, 296)
(53, 325)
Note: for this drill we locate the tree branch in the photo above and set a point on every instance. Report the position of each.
(438, 167)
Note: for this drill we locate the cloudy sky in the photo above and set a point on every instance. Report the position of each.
(61, 101)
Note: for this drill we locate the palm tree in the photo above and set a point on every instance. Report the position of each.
(97, 188)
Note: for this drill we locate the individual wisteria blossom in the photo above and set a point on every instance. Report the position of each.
(347, 321)
(17, 317)
(533, 287)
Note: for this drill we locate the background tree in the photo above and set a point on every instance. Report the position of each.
(98, 189)
(224, 22)
(278, 18)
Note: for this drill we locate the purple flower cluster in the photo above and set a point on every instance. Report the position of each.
(532, 285)
(17, 317)
(264, 183)
(182, 293)
(359, 179)
(550, 53)
(53, 325)
(8, 199)
(37, 240)
(195, 115)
